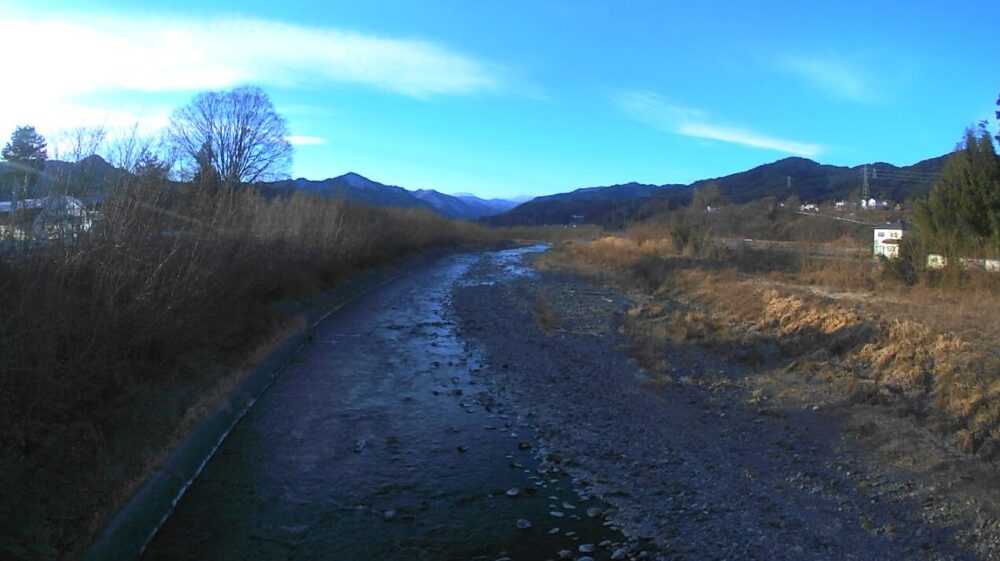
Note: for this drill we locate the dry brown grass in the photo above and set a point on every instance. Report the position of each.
(113, 347)
(912, 373)
(837, 326)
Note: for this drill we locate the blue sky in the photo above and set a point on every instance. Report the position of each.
(524, 97)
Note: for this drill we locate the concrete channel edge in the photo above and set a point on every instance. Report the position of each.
(135, 525)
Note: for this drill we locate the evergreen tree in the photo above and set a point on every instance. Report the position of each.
(962, 213)
(26, 152)
(152, 168)
(206, 177)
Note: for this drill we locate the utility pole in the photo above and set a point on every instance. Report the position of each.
(864, 188)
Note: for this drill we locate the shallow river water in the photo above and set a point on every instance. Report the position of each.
(379, 442)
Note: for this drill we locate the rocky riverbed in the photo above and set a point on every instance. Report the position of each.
(477, 410)
(690, 467)
(381, 441)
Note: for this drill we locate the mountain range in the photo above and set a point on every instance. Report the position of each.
(612, 206)
(810, 181)
(90, 179)
(355, 187)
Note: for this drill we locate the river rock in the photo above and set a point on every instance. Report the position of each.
(513, 492)
(586, 548)
(523, 524)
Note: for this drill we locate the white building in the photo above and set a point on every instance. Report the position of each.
(886, 239)
(49, 218)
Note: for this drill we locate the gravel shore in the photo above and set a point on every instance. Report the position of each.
(689, 467)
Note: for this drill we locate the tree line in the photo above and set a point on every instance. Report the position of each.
(220, 140)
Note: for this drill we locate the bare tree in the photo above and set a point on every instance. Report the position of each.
(244, 135)
(131, 151)
(82, 142)
(74, 146)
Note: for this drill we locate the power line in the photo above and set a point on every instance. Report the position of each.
(897, 174)
(910, 179)
(898, 171)
(891, 168)
(912, 175)
(915, 181)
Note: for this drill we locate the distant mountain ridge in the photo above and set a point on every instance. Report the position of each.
(351, 186)
(92, 178)
(616, 205)
(356, 187)
(467, 207)
(815, 182)
(594, 205)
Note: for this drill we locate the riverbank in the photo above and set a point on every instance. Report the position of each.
(380, 441)
(800, 374)
(119, 344)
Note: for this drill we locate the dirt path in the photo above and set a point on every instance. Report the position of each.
(691, 467)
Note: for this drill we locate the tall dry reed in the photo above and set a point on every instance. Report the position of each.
(106, 342)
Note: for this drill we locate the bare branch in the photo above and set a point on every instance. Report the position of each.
(245, 134)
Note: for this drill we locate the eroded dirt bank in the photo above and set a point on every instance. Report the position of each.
(700, 466)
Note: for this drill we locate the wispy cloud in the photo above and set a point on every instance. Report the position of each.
(297, 140)
(834, 76)
(175, 54)
(75, 58)
(652, 109)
